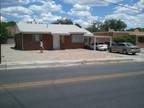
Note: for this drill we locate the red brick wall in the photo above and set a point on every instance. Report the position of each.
(69, 45)
(47, 41)
(18, 41)
(30, 44)
(141, 45)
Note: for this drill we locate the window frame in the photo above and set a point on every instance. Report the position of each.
(77, 39)
(36, 37)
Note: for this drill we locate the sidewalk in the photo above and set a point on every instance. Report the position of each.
(12, 59)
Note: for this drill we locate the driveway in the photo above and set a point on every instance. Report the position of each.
(10, 55)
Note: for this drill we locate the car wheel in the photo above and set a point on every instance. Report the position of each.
(124, 52)
(133, 53)
(110, 50)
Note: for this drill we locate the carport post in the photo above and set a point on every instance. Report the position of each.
(0, 53)
(94, 43)
(22, 42)
(136, 39)
(110, 41)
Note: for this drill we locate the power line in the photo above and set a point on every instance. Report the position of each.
(121, 5)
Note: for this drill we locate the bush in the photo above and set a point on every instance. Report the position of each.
(124, 39)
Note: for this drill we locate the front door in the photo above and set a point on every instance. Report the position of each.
(56, 41)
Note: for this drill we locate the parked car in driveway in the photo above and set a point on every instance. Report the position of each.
(124, 47)
(102, 47)
(99, 46)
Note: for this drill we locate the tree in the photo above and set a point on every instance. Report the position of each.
(63, 21)
(138, 28)
(95, 26)
(78, 25)
(116, 25)
(3, 32)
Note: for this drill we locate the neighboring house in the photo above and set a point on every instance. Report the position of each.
(54, 36)
(102, 37)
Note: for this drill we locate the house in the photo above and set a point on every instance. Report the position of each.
(54, 36)
(107, 37)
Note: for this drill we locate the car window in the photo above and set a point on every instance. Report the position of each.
(129, 44)
(121, 44)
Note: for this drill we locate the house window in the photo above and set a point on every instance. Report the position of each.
(77, 39)
(141, 39)
(36, 37)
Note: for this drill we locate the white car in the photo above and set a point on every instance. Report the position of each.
(102, 47)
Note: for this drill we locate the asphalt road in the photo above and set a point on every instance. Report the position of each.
(87, 86)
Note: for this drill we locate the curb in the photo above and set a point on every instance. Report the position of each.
(42, 64)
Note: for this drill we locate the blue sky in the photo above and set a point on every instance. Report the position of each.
(83, 12)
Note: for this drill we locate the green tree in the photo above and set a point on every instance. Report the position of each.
(116, 25)
(138, 28)
(95, 26)
(78, 25)
(3, 30)
(63, 21)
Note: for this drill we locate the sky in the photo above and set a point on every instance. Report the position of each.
(84, 12)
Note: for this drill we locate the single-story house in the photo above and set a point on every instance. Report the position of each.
(53, 36)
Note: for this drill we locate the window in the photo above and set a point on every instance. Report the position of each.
(141, 39)
(36, 37)
(77, 38)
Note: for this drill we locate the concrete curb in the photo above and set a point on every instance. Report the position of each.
(45, 64)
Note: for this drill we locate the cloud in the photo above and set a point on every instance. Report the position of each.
(92, 2)
(3, 18)
(80, 10)
(49, 17)
(130, 20)
(133, 16)
(15, 10)
(131, 9)
(6, 3)
(42, 18)
(82, 14)
(47, 6)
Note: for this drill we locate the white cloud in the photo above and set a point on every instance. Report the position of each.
(132, 17)
(82, 22)
(5, 3)
(3, 18)
(131, 9)
(47, 6)
(78, 7)
(80, 10)
(49, 17)
(130, 20)
(25, 18)
(92, 2)
(82, 14)
(15, 10)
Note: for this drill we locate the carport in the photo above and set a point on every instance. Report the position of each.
(95, 37)
(139, 38)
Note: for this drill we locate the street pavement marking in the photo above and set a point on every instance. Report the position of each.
(68, 80)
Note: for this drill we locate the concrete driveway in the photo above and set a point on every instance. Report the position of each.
(10, 55)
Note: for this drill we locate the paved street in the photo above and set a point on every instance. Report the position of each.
(93, 86)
